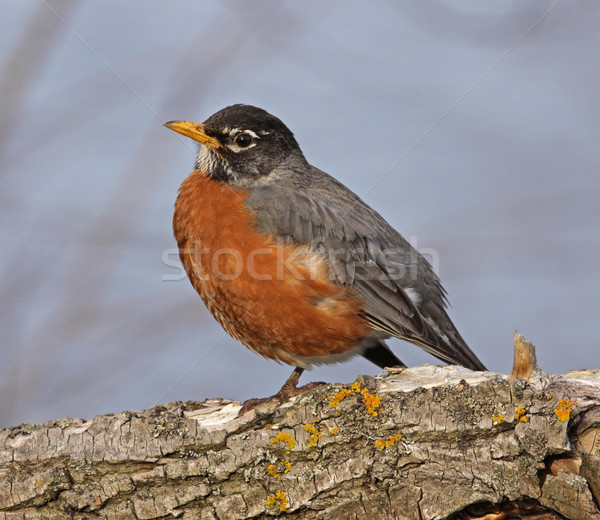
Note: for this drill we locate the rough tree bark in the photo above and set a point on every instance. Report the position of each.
(427, 443)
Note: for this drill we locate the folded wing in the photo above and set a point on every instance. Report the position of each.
(402, 295)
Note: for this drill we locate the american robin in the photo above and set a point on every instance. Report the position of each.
(292, 263)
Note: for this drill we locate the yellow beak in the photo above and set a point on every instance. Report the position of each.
(195, 131)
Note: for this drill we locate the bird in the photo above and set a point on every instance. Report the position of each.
(292, 263)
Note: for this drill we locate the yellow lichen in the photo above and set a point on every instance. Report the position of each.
(372, 401)
(499, 418)
(339, 396)
(563, 410)
(386, 443)
(334, 431)
(273, 471)
(315, 434)
(285, 438)
(278, 500)
(520, 414)
(285, 465)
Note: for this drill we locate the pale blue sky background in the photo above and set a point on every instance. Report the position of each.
(471, 126)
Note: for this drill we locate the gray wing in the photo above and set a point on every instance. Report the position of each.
(402, 295)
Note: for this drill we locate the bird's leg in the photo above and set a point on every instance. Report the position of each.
(291, 384)
(288, 390)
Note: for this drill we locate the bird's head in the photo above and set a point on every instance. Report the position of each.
(240, 143)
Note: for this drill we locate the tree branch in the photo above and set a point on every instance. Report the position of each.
(426, 443)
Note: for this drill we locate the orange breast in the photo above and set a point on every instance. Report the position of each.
(276, 299)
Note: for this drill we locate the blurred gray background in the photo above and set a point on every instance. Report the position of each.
(472, 127)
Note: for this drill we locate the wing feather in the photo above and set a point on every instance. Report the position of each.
(366, 253)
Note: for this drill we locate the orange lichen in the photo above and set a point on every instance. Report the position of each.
(285, 438)
(371, 401)
(563, 410)
(278, 500)
(498, 418)
(520, 414)
(285, 467)
(315, 434)
(386, 443)
(273, 471)
(339, 396)
(334, 431)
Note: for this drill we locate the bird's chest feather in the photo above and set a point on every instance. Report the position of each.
(264, 293)
(216, 234)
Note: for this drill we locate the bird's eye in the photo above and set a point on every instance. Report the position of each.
(243, 140)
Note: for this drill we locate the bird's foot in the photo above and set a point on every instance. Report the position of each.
(278, 399)
(288, 390)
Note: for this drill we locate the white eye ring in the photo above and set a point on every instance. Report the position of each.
(242, 139)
